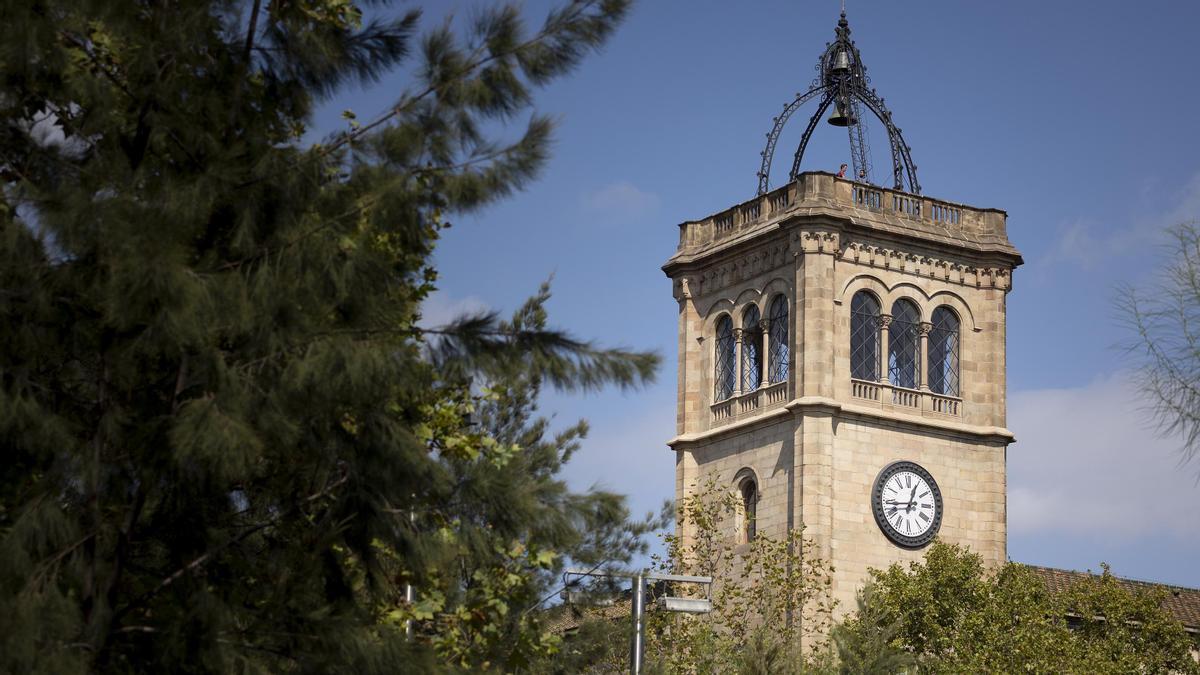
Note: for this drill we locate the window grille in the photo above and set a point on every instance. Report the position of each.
(749, 510)
(752, 340)
(943, 352)
(723, 357)
(904, 345)
(864, 337)
(780, 351)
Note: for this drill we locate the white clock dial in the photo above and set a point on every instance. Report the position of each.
(907, 504)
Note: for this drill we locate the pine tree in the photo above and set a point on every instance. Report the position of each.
(228, 443)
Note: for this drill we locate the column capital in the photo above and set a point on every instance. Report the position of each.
(764, 325)
(885, 320)
(738, 334)
(924, 328)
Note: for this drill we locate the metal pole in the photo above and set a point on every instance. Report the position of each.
(408, 600)
(408, 590)
(639, 629)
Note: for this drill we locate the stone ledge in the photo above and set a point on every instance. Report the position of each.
(829, 406)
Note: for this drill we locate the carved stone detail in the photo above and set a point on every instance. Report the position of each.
(950, 271)
(819, 241)
(745, 266)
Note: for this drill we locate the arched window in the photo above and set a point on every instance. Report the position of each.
(904, 345)
(777, 360)
(943, 352)
(724, 359)
(864, 336)
(749, 510)
(752, 342)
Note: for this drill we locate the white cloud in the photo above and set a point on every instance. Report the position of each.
(1081, 243)
(1087, 462)
(626, 452)
(1088, 244)
(1188, 206)
(439, 308)
(621, 200)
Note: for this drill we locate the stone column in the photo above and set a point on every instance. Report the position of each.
(818, 354)
(738, 334)
(765, 357)
(923, 330)
(691, 412)
(885, 320)
(687, 478)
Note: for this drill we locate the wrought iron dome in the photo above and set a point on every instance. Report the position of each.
(842, 82)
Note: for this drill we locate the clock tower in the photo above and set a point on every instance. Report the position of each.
(842, 351)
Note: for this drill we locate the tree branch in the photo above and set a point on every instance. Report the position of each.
(199, 561)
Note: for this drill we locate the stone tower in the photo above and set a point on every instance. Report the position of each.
(828, 330)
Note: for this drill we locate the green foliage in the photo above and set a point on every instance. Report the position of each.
(767, 595)
(228, 443)
(510, 525)
(599, 644)
(775, 589)
(866, 651)
(1125, 631)
(954, 616)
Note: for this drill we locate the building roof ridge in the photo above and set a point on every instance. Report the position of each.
(1118, 577)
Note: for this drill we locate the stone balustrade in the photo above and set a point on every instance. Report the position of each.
(883, 394)
(946, 405)
(908, 400)
(744, 405)
(722, 411)
(817, 189)
(865, 390)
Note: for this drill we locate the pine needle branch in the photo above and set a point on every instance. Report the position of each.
(556, 28)
(481, 343)
(199, 561)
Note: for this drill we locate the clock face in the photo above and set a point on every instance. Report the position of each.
(907, 504)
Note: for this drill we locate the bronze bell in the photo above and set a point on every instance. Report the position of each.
(843, 115)
(841, 62)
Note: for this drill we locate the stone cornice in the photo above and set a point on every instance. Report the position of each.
(829, 406)
(686, 440)
(733, 267)
(931, 267)
(848, 212)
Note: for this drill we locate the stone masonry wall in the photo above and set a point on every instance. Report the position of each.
(816, 449)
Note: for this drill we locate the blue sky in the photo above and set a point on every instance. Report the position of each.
(1076, 118)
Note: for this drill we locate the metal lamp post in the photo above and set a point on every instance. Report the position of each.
(638, 603)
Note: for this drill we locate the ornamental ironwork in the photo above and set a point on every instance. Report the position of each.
(943, 352)
(752, 339)
(864, 337)
(904, 345)
(724, 358)
(777, 330)
(842, 83)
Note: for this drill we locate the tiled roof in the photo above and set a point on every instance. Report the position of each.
(1183, 603)
(565, 618)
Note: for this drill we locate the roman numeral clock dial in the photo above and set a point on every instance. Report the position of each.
(907, 504)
